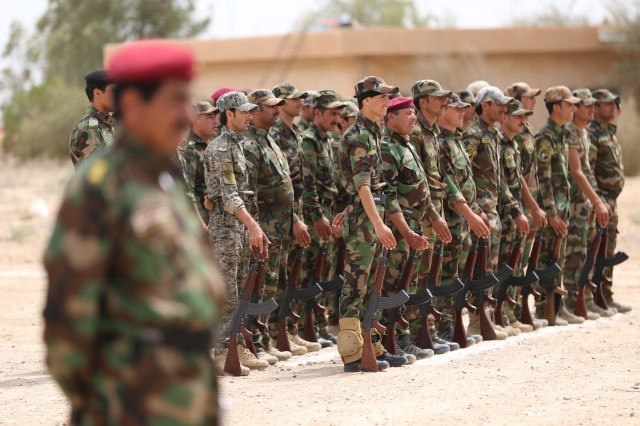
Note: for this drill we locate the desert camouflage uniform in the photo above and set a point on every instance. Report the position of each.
(528, 167)
(553, 177)
(93, 133)
(303, 124)
(605, 158)
(132, 295)
(194, 161)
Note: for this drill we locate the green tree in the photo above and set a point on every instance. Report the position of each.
(626, 31)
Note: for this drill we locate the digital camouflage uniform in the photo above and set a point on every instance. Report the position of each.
(93, 134)
(194, 161)
(132, 295)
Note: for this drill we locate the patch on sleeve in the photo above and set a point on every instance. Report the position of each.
(228, 176)
(372, 151)
(545, 151)
(486, 139)
(472, 150)
(97, 172)
(528, 144)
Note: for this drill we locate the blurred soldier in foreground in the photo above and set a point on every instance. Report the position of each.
(133, 294)
(94, 131)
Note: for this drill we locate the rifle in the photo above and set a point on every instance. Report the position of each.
(554, 295)
(602, 262)
(470, 285)
(583, 280)
(253, 321)
(312, 306)
(244, 310)
(377, 301)
(291, 292)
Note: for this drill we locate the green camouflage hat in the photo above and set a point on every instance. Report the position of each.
(516, 108)
(492, 94)
(428, 87)
(560, 93)
(234, 100)
(467, 96)
(374, 84)
(264, 96)
(350, 110)
(585, 96)
(604, 96)
(454, 101)
(327, 99)
(288, 91)
(204, 108)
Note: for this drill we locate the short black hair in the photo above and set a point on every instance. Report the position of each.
(88, 89)
(223, 117)
(478, 108)
(98, 79)
(146, 90)
(550, 105)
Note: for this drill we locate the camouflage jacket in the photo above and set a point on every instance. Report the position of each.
(402, 170)
(178, 160)
(605, 156)
(527, 150)
(94, 132)
(578, 139)
(360, 157)
(127, 257)
(194, 170)
(303, 124)
(342, 197)
(319, 174)
(456, 166)
(511, 166)
(553, 172)
(424, 140)
(268, 173)
(226, 174)
(290, 142)
(482, 144)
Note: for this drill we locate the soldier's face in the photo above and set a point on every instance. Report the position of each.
(528, 102)
(566, 111)
(292, 107)
(238, 121)
(205, 125)
(266, 116)
(347, 122)
(307, 112)
(377, 105)
(470, 113)
(514, 123)
(495, 111)
(105, 99)
(328, 119)
(584, 113)
(605, 111)
(406, 120)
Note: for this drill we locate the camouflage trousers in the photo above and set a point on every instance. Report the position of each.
(613, 233)
(580, 223)
(495, 225)
(204, 213)
(273, 286)
(229, 241)
(510, 240)
(553, 250)
(362, 247)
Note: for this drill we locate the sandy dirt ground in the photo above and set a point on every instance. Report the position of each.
(576, 375)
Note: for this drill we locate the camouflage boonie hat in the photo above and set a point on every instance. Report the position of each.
(492, 94)
(204, 108)
(327, 99)
(428, 87)
(517, 109)
(235, 100)
(604, 96)
(350, 110)
(288, 91)
(264, 96)
(585, 96)
(521, 89)
(374, 84)
(467, 96)
(560, 93)
(454, 101)
(476, 86)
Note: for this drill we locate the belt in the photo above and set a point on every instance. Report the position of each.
(379, 199)
(413, 213)
(187, 340)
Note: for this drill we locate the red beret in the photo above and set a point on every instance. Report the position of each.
(215, 95)
(151, 61)
(400, 103)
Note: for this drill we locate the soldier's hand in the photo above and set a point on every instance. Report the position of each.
(301, 233)
(207, 203)
(522, 224)
(485, 219)
(416, 241)
(385, 236)
(602, 214)
(259, 240)
(558, 225)
(539, 218)
(323, 228)
(338, 221)
(442, 230)
(477, 225)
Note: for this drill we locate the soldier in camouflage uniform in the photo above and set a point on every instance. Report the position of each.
(605, 156)
(363, 227)
(469, 113)
(307, 112)
(131, 282)
(460, 209)
(203, 129)
(585, 204)
(94, 132)
(553, 175)
(232, 227)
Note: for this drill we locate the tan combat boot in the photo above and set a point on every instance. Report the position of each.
(310, 346)
(220, 361)
(281, 355)
(296, 350)
(269, 358)
(248, 359)
(568, 316)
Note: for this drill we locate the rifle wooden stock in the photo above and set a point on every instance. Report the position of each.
(282, 343)
(459, 332)
(312, 306)
(486, 328)
(257, 289)
(368, 361)
(598, 274)
(395, 314)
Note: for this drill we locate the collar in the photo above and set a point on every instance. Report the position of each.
(369, 125)
(230, 134)
(432, 128)
(193, 136)
(555, 126)
(487, 127)
(258, 131)
(101, 116)
(396, 137)
(145, 158)
(323, 136)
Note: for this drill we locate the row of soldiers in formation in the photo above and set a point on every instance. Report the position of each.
(276, 172)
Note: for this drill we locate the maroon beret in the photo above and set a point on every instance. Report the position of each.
(215, 95)
(400, 103)
(151, 61)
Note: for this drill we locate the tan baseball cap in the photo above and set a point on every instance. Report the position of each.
(204, 108)
(516, 108)
(428, 87)
(374, 84)
(521, 89)
(264, 96)
(560, 93)
(455, 102)
(288, 91)
(604, 96)
(585, 96)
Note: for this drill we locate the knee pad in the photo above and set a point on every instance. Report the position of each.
(350, 340)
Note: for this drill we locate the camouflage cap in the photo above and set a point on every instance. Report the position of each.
(234, 100)
(560, 93)
(264, 96)
(604, 96)
(454, 101)
(288, 91)
(307, 100)
(492, 94)
(516, 108)
(327, 99)
(350, 110)
(374, 84)
(475, 86)
(204, 108)
(428, 87)
(467, 96)
(520, 89)
(585, 96)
